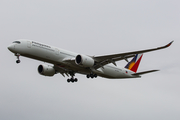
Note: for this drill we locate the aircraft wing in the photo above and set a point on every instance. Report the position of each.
(69, 60)
(106, 59)
(61, 70)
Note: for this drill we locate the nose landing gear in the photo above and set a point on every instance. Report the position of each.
(18, 60)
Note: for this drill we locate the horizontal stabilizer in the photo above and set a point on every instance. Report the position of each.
(145, 72)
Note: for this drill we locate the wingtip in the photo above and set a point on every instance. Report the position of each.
(169, 43)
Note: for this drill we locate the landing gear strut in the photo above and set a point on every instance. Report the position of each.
(18, 60)
(72, 79)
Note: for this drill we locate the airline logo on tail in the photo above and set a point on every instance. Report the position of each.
(134, 63)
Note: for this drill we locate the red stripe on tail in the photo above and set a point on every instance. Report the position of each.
(136, 65)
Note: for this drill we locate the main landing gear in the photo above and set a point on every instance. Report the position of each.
(91, 75)
(72, 79)
(18, 60)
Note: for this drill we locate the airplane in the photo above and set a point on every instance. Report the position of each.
(69, 63)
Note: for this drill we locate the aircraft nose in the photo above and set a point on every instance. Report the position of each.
(11, 47)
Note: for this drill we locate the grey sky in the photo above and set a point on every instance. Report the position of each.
(93, 27)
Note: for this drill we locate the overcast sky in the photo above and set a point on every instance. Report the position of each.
(92, 27)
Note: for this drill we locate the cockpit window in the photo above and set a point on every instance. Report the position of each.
(17, 42)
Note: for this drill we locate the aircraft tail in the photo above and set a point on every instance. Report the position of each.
(134, 63)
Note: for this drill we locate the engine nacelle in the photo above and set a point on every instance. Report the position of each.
(46, 70)
(84, 61)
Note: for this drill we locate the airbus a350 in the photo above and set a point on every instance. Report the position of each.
(69, 63)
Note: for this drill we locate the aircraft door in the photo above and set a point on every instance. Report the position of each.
(56, 51)
(28, 44)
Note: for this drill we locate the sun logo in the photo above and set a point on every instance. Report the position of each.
(131, 65)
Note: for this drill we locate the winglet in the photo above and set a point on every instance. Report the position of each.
(169, 44)
(166, 45)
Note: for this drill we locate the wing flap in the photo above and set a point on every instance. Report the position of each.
(107, 61)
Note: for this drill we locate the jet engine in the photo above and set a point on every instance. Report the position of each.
(46, 70)
(84, 61)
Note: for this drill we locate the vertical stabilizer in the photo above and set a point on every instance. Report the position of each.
(134, 63)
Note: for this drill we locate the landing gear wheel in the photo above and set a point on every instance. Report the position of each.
(95, 75)
(91, 75)
(88, 76)
(72, 80)
(68, 80)
(75, 80)
(18, 61)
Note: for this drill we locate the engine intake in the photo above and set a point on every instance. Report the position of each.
(46, 70)
(84, 61)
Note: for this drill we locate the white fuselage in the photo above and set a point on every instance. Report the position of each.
(57, 56)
